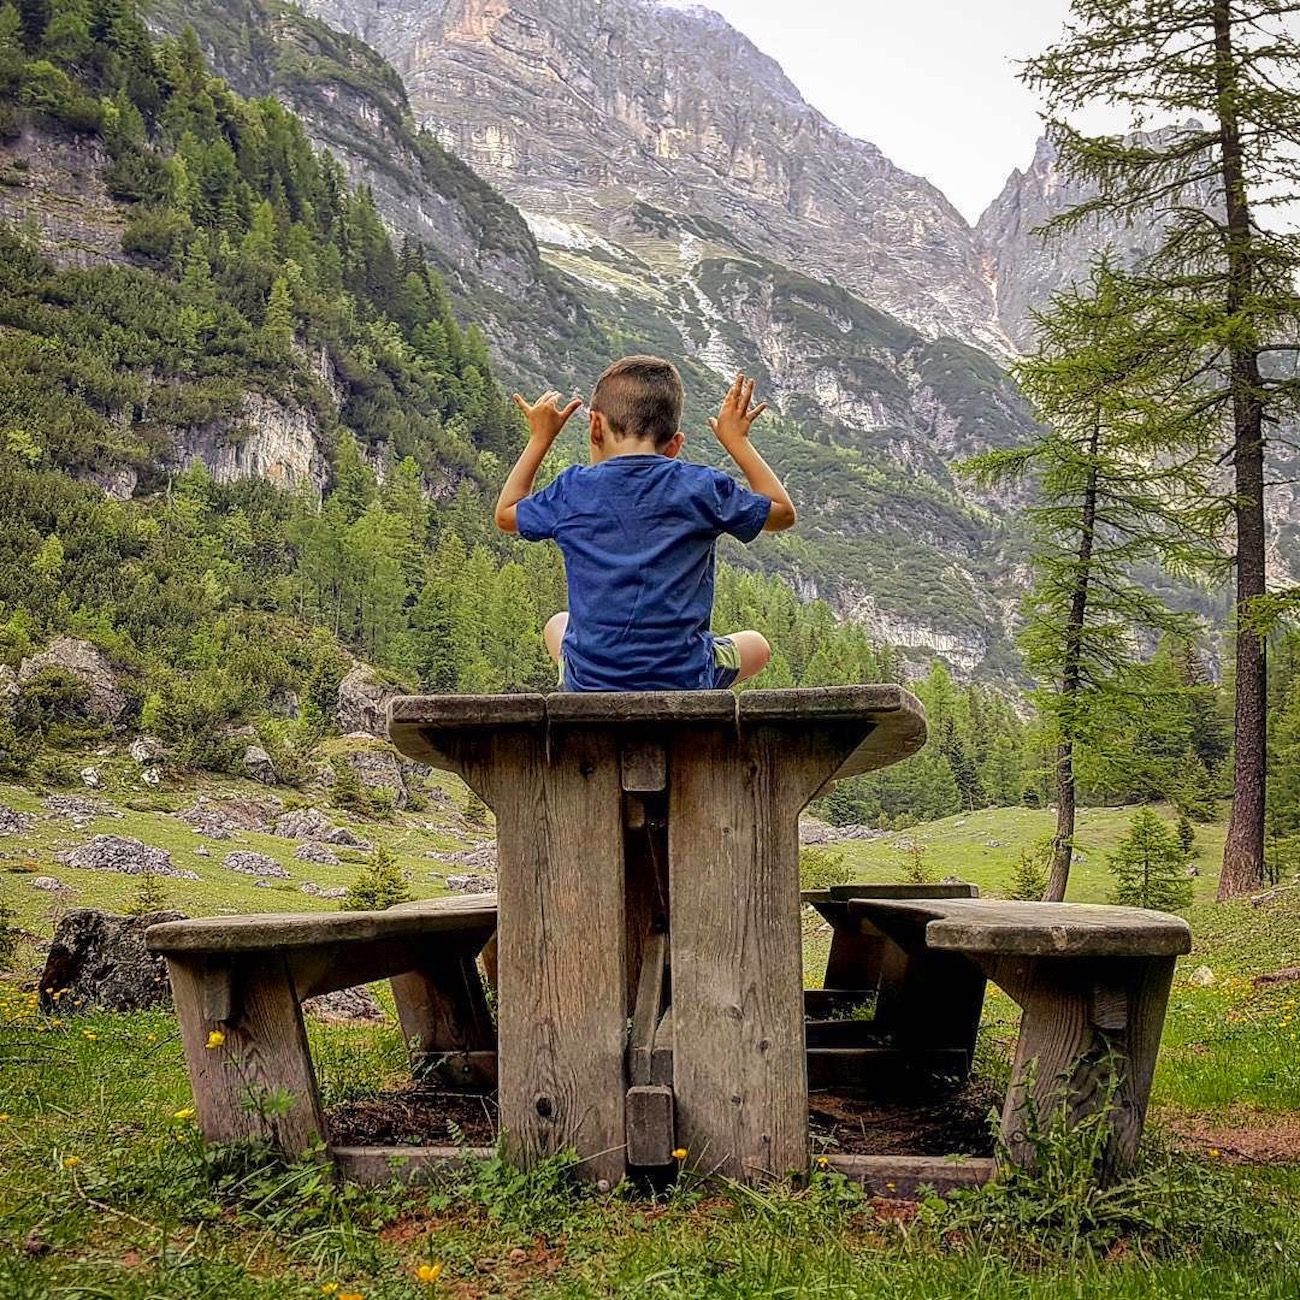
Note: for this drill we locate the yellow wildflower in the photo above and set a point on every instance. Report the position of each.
(186, 1112)
(329, 1288)
(90, 1035)
(429, 1273)
(1215, 1153)
(71, 1162)
(822, 1162)
(351, 1295)
(215, 1039)
(680, 1153)
(4, 1117)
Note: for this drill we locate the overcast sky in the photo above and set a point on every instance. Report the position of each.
(931, 82)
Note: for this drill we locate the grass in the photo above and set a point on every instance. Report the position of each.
(105, 1190)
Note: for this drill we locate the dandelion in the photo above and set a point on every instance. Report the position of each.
(329, 1288)
(215, 1039)
(680, 1153)
(822, 1162)
(71, 1162)
(1215, 1153)
(186, 1112)
(428, 1273)
(4, 1117)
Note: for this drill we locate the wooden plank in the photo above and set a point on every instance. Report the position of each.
(904, 889)
(612, 709)
(258, 1082)
(650, 1141)
(643, 765)
(562, 993)
(866, 1069)
(1063, 1058)
(273, 932)
(739, 1073)
(380, 1166)
(994, 926)
(648, 1009)
(443, 1010)
(661, 1059)
(645, 880)
(905, 1176)
(841, 1033)
(478, 1071)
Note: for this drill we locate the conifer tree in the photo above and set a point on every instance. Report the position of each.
(1149, 866)
(1116, 489)
(1221, 287)
(378, 885)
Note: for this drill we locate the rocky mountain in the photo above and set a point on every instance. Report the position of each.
(1028, 265)
(580, 109)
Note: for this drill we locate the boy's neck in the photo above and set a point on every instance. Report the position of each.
(629, 447)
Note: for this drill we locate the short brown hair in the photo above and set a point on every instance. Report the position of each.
(641, 397)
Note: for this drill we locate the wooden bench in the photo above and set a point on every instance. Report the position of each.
(243, 979)
(648, 854)
(1092, 984)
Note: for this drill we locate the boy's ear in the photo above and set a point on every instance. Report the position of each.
(596, 422)
(674, 446)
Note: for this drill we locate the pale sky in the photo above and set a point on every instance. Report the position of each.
(931, 82)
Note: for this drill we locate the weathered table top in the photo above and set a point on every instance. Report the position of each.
(894, 717)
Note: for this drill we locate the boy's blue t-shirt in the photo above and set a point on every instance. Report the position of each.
(637, 534)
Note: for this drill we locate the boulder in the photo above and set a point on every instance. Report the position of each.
(284, 703)
(99, 960)
(483, 858)
(90, 778)
(50, 885)
(363, 702)
(146, 750)
(234, 813)
(257, 765)
(1202, 978)
(8, 689)
(254, 864)
(322, 891)
(379, 769)
(123, 854)
(356, 1003)
(303, 824)
(104, 698)
(315, 851)
(347, 839)
(13, 822)
(471, 884)
(78, 807)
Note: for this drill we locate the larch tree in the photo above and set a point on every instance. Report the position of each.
(1117, 489)
(1223, 277)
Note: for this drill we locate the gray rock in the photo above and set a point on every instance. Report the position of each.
(78, 807)
(362, 703)
(379, 769)
(8, 689)
(100, 960)
(123, 854)
(356, 1003)
(315, 851)
(257, 764)
(254, 864)
(471, 884)
(90, 778)
(203, 851)
(13, 822)
(348, 839)
(50, 885)
(284, 704)
(146, 750)
(232, 813)
(322, 891)
(483, 858)
(87, 663)
(303, 824)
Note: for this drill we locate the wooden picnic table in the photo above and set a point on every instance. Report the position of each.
(648, 851)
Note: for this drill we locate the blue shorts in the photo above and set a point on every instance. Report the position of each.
(725, 665)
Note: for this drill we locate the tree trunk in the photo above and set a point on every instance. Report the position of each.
(1063, 840)
(1243, 850)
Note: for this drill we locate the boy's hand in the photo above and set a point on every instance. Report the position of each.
(736, 415)
(545, 418)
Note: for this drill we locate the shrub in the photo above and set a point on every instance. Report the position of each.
(820, 867)
(378, 886)
(916, 863)
(1149, 866)
(1029, 879)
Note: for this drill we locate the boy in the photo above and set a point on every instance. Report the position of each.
(637, 528)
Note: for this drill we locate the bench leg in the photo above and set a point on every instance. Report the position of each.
(1086, 1026)
(445, 1020)
(258, 1084)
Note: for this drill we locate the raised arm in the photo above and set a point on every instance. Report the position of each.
(731, 428)
(545, 420)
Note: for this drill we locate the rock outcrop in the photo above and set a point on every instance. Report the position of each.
(104, 698)
(377, 770)
(123, 854)
(257, 765)
(303, 824)
(248, 863)
(100, 960)
(362, 702)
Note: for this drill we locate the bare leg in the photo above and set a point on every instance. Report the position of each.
(553, 633)
(754, 653)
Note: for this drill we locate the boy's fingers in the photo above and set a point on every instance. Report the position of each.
(733, 393)
(519, 401)
(713, 424)
(747, 394)
(757, 411)
(572, 406)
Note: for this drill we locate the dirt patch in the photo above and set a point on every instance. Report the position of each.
(415, 1116)
(938, 1122)
(1263, 1139)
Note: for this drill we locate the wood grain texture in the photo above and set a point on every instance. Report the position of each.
(648, 1009)
(240, 1085)
(443, 1011)
(738, 1057)
(905, 1176)
(562, 1000)
(650, 1140)
(1064, 1060)
(380, 1166)
(987, 925)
